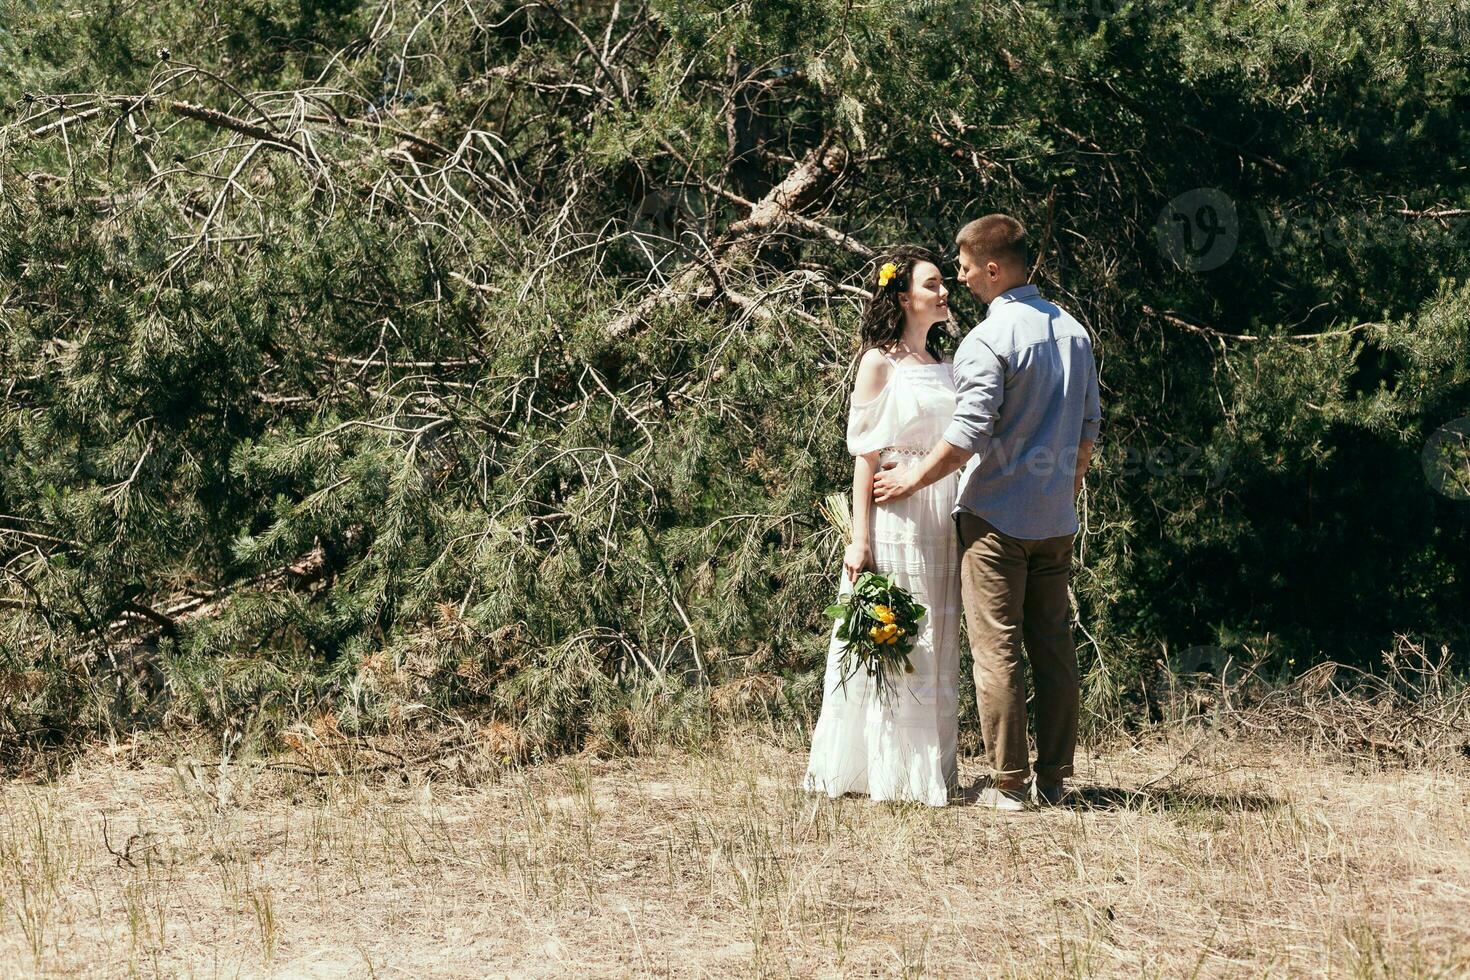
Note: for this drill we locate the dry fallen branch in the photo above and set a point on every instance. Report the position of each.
(806, 181)
(1416, 712)
(1175, 320)
(187, 606)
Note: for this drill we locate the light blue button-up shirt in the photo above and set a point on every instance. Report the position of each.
(1027, 395)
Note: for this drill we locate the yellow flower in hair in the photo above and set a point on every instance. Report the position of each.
(886, 274)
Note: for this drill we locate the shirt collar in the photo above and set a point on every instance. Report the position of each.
(1015, 294)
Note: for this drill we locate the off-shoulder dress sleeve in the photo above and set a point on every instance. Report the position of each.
(873, 424)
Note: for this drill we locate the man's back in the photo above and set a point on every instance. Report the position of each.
(1028, 395)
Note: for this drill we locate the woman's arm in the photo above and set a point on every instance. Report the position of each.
(872, 376)
(859, 556)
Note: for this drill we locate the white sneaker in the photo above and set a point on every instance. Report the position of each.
(1007, 800)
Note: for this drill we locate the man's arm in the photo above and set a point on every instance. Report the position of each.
(980, 387)
(1091, 421)
(942, 460)
(1084, 459)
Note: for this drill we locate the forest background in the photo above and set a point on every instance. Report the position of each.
(414, 361)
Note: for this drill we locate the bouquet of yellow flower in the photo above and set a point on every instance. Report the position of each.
(876, 621)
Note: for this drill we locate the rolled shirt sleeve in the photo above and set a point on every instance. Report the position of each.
(1091, 406)
(979, 377)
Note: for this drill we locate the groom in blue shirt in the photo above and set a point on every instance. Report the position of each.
(1026, 417)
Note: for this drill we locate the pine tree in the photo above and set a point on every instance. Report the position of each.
(494, 358)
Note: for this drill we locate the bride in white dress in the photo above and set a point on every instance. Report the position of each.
(902, 747)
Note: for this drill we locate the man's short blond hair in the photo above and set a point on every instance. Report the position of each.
(997, 237)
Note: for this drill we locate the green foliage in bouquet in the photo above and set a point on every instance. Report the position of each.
(877, 622)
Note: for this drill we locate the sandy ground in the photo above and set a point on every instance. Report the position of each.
(1177, 857)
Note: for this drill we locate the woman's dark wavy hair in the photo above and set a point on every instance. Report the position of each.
(883, 318)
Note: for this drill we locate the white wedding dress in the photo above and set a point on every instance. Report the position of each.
(904, 749)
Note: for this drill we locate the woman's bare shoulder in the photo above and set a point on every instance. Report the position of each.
(872, 375)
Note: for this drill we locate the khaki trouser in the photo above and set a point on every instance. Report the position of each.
(1015, 591)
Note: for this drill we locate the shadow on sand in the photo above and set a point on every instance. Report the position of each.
(1176, 799)
(1165, 798)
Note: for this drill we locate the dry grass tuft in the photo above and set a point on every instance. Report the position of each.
(1415, 712)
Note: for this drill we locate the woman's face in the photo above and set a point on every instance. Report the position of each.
(927, 300)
